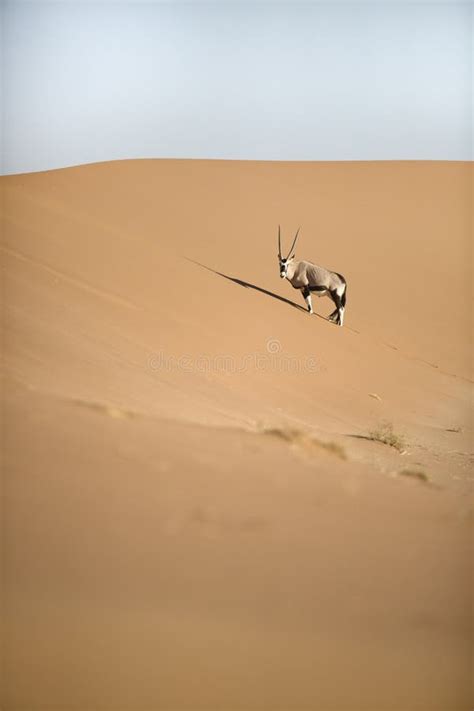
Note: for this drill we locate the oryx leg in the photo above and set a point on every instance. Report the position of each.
(338, 314)
(307, 297)
(342, 291)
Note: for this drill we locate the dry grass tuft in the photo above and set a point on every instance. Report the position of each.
(415, 474)
(117, 413)
(305, 441)
(386, 435)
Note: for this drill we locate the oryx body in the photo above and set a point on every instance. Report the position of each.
(311, 279)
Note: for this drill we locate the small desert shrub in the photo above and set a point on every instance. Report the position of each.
(415, 474)
(287, 434)
(331, 447)
(305, 441)
(385, 434)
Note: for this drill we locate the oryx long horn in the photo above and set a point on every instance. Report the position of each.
(279, 242)
(294, 242)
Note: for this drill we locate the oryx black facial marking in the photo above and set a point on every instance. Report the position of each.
(310, 278)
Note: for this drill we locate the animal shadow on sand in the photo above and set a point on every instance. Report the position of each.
(248, 285)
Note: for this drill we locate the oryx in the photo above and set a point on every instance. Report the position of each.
(310, 278)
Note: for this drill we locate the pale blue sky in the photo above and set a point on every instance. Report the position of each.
(93, 81)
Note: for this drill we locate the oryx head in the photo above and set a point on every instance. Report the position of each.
(284, 262)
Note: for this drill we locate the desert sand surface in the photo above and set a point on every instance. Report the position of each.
(195, 514)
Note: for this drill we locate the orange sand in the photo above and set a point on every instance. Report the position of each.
(194, 517)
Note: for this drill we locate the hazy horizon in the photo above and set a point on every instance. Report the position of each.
(90, 82)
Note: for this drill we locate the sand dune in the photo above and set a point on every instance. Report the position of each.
(197, 514)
